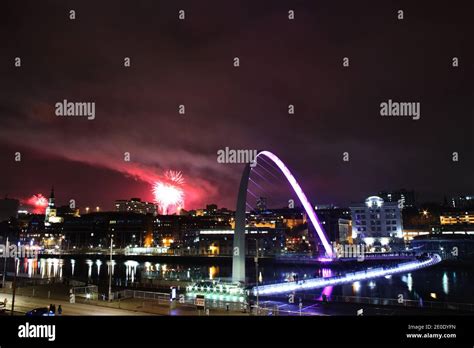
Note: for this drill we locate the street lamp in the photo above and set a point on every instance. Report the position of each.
(111, 268)
(14, 287)
(256, 272)
(4, 263)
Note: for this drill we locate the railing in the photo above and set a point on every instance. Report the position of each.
(367, 255)
(274, 310)
(164, 299)
(160, 297)
(406, 303)
(223, 305)
(90, 292)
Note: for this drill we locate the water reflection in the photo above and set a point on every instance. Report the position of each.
(131, 270)
(355, 287)
(108, 263)
(408, 280)
(445, 283)
(213, 272)
(98, 263)
(326, 293)
(44, 268)
(89, 270)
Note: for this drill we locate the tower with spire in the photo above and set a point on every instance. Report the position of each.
(50, 209)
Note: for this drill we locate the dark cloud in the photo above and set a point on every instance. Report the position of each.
(190, 63)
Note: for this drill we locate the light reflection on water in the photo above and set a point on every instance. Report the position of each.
(445, 283)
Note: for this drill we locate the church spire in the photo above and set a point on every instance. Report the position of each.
(51, 198)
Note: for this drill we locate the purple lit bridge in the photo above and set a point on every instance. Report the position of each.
(238, 259)
(315, 283)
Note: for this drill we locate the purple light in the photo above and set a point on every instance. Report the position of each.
(302, 197)
(325, 259)
(326, 272)
(326, 291)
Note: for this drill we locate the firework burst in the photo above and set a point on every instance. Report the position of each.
(175, 176)
(38, 202)
(169, 193)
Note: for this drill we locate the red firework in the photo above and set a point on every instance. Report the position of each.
(38, 202)
(169, 193)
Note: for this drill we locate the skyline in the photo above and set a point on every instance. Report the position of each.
(39, 202)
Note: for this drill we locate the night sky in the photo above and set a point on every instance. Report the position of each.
(190, 62)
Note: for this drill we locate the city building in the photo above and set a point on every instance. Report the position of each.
(345, 231)
(66, 210)
(50, 215)
(178, 232)
(457, 221)
(211, 209)
(135, 205)
(448, 223)
(94, 230)
(288, 226)
(335, 222)
(420, 221)
(220, 241)
(377, 223)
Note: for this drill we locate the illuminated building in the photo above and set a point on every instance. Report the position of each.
(457, 219)
(135, 205)
(376, 222)
(184, 229)
(335, 222)
(166, 242)
(345, 230)
(460, 222)
(50, 215)
(219, 241)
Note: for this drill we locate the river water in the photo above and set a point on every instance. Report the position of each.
(439, 283)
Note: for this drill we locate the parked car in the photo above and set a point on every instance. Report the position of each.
(39, 312)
